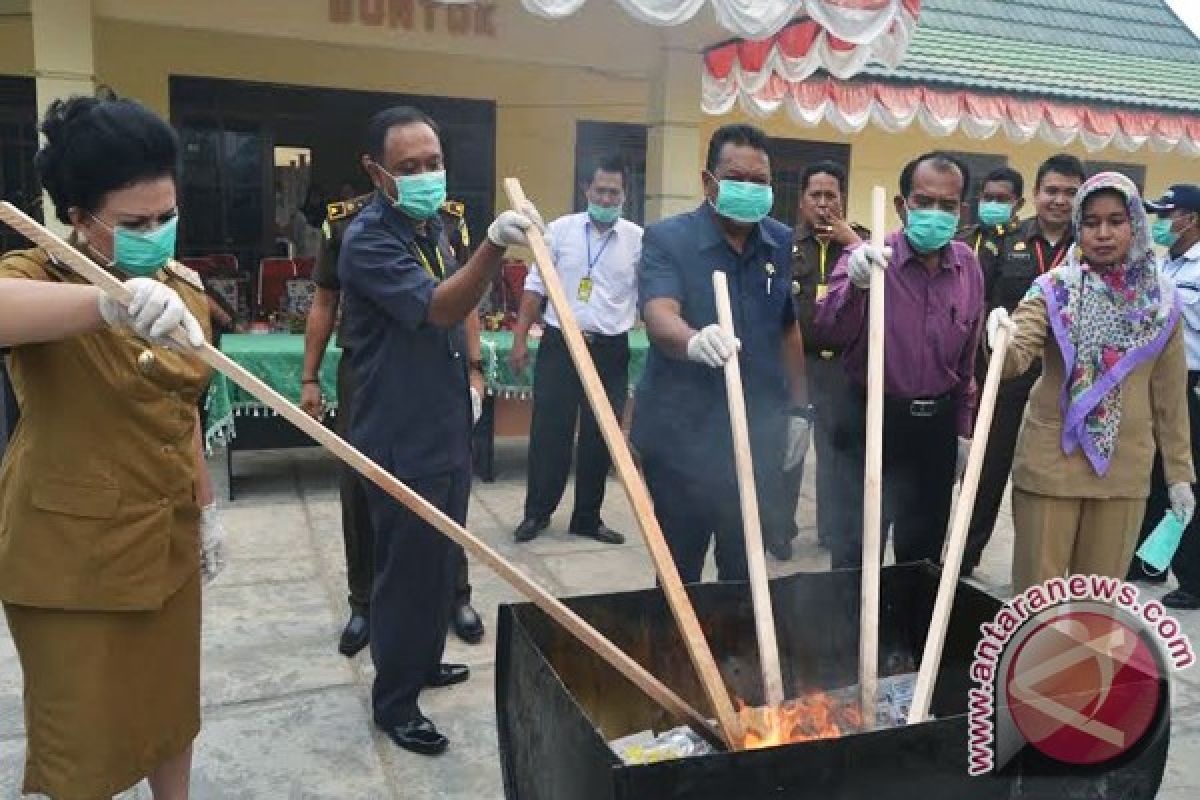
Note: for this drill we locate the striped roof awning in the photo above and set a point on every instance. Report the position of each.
(841, 25)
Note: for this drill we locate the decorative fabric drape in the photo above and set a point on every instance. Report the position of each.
(849, 107)
(852, 22)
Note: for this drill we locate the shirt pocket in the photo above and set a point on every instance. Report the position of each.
(112, 554)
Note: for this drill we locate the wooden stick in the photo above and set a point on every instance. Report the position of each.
(555, 609)
(635, 488)
(936, 639)
(760, 589)
(868, 623)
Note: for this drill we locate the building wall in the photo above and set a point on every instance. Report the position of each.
(536, 108)
(16, 46)
(876, 157)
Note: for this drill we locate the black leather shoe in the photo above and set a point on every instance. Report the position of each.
(530, 527)
(467, 624)
(1181, 599)
(417, 735)
(602, 533)
(356, 635)
(448, 675)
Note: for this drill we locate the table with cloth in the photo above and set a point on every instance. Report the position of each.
(237, 420)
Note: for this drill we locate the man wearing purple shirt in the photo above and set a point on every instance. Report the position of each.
(935, 306)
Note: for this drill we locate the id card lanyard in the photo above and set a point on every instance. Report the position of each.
(585, 284)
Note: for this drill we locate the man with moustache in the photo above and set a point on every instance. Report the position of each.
(681, 417)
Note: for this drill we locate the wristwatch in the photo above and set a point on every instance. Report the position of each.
(803, 412)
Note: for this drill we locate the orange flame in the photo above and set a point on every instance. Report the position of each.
(812, 716)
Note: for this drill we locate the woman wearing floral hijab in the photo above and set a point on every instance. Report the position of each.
(1106, 324)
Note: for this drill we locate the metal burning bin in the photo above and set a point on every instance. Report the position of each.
(558, 705)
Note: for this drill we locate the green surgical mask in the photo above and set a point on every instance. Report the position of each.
(993, 213)
(1162, 233)
(421, 195)
(742, 201)
(605, 215)
(1160, 546)
(143, 254)
(930, 229)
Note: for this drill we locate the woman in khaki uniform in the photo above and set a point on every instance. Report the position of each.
(1107, 327)
(102, 485)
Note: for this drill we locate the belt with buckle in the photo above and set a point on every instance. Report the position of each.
(591, 337)
(920, 407)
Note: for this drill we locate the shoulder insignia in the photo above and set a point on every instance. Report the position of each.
(454, 208)
(344, 209)
(185, 274)
(991, 247)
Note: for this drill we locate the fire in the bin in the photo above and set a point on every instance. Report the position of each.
(815, 715)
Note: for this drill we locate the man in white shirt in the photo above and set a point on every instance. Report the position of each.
(596, 253)
(1178, 230)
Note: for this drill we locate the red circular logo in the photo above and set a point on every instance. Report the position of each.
(1083, 687)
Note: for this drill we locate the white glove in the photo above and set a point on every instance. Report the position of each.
(712, 346)
(964, 450)
(476, 406)
(212, 543)
(863, 257)
(1183, 502)
(153, 313)
(799, 432)
(998, 318)
(509, 229)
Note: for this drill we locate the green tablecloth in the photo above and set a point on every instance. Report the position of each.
(278, 359)
(496, 345)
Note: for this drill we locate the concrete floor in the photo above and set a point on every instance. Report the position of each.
(286, 717)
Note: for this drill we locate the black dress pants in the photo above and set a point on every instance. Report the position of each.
(1011, 398)
(357, 534)
(558, 403)
(692, 513)
(412, 596)
(920, 449)
(1186, 564)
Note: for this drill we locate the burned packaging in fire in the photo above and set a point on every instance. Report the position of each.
(558, 706)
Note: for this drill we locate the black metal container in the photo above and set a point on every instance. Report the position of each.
(558, 705)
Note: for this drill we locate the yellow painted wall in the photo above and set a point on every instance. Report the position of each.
(16, 46)
(536, 109)
(876, 157)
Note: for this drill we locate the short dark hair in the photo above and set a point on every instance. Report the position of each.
(942, 162)
(612, 163)
(1007, 175)
(1061, 164)
(746, 135)
(830, 168)
(394, 117)
(96, 145)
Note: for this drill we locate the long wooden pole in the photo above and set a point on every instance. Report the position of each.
(743, 459)
(555, 609)
(936, 639)
(639, 497)
(868, 624)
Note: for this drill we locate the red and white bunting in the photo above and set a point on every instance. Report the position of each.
(849, 107)
(853, 23)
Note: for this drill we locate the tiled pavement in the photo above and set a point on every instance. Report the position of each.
(287, 717)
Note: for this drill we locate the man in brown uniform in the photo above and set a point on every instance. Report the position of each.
(1030, 249)
(356, 522)
(821, 236)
